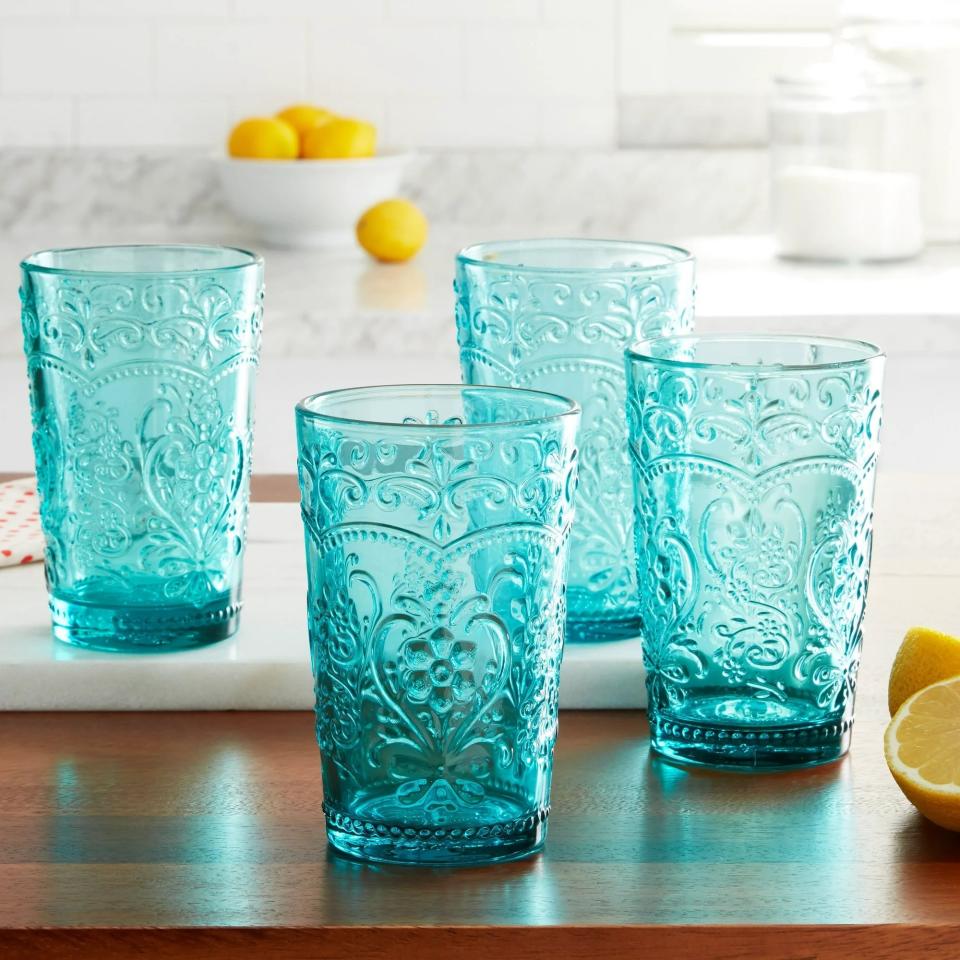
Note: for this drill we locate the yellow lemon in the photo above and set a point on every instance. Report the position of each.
(264, 138)
(339, 139)
(924, 657)
(923, 751)
(304, 116)
(392, 230)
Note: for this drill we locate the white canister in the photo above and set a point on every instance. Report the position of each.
(923, 37)
(844, 153)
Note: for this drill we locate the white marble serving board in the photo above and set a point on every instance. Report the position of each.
(264, 667)
(915, 579)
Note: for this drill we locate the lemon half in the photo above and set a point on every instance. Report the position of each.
(922, 747)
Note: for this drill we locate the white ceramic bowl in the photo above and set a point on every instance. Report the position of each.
(309, 203)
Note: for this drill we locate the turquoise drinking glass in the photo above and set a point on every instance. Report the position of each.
(557, 315)
(141, 365)
(436, 524)
(753, 463)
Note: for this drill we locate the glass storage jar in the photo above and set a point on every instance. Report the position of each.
(846, 184)
(922, 37)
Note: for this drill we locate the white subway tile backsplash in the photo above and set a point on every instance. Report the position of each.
(497, 121)
(68, 58)
(151, 121)
(541, 59)
(36, 8)
(597, 12)
(384, 58)
(580, 122)
(314, 9)
(575, 60)
(423, 122)
(200, 57)
(35, 121)
(499, 61)
(643, 54)
(422, 59)
(469, 10)
(431, 73)
(155, 8)
(444, 122)
(341, 58)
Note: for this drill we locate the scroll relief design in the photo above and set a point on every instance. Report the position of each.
(162, 482)
(433, 637)
(569, 335)
(739, 583)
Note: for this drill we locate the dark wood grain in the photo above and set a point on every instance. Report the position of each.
(199, 835)
(208, 826)
(444, 943)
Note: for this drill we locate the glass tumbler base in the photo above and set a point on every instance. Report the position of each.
(749, 747)
(582, 629)
(404, 844)
(143, 629)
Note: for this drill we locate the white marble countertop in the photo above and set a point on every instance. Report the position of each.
(343, 301)
(334, 319)
(921, 399)
(340, 301)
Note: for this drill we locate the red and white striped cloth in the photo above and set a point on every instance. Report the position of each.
(21, 540)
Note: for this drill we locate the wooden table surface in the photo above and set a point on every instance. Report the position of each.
(199, 835)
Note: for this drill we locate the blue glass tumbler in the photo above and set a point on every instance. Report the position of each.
(436, 525)
(141, 365)
(557, 315)
(753, 462)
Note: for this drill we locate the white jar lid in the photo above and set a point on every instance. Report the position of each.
(850, 74)
(899, 11)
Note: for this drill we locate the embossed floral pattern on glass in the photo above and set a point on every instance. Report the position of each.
(753, 464)
(436, 525)
(141, 362)
(557, 315)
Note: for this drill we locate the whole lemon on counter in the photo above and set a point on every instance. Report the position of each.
(340, 139)
(925, 656)
(264, 138)
(392, 230)
(304, 117)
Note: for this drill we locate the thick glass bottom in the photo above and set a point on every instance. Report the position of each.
(147, 628)
(376, 829)
(747, 734)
